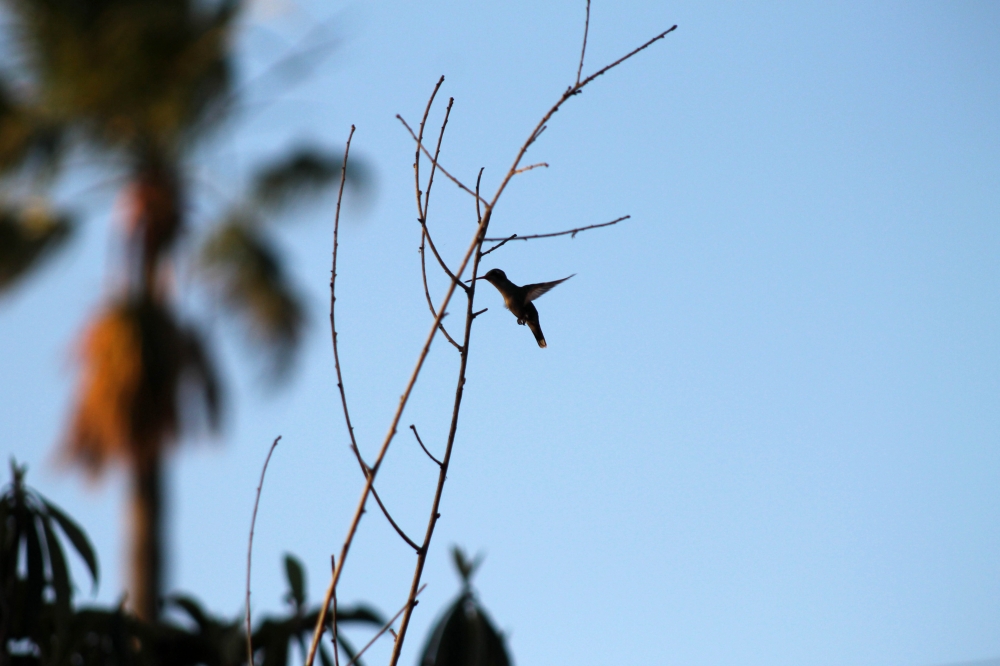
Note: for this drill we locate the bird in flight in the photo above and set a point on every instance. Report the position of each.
(518, 299)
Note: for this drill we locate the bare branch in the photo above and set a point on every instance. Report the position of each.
(623, 58)
(386, 627)
(479, 178)
(570, 92)
(427, 293)
(333, 300)
(420, 442)
(533, 166)
(484, 221)
(425, 237)
(333, 622)
(416, 158)
(437, 154)
(583, 50)
(476, 314)
(498, 245)
(392, 522)
(570, 232)
(253, 521)
(420, 145)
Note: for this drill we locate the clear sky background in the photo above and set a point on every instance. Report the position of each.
(766, 429)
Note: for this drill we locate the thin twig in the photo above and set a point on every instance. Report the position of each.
(421, 146)
(476, 314)
(479, 215)
(533, 166)
(571, 232)
(427, 292)
(583, 50)
(625, 57)
(498, 245)
(253, 521)
(417, 435)
(333, 300)
(427, 195)
(437, 155)
(386, 627)
(416, 158)
(425, 236)
(392, 522)
(336, 651)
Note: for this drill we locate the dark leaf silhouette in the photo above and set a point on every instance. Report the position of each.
(28, 236)
(464, 635)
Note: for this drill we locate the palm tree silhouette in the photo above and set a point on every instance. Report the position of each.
(143, 82)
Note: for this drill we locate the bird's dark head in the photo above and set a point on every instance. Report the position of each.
(493, 276)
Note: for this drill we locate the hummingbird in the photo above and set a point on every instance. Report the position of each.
(518, 299)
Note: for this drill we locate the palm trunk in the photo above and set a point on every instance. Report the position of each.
(146, 538)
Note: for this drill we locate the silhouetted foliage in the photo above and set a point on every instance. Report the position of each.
(464, 635)
(39, 624)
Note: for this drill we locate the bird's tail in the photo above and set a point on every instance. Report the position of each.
(537, 330)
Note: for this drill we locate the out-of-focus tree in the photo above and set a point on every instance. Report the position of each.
(464, 635)
(143, 83)
(40, 625)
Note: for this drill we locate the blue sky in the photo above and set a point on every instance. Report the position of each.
(766, 427)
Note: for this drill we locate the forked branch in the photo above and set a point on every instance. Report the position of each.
(569, 232)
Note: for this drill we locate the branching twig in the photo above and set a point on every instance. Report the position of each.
(476, 314)
(624, 58)
(583, 50)
(359, 510)
(427, 195)
(421, 146)
(498, 245)
(417, 435)
(386, 627)
(253, 521)
(484, 222)
(571, 232)
(425, 236)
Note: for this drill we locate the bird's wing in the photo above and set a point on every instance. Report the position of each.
(536, 290)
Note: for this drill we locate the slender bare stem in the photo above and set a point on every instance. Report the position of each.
(500, 244)
(427, 292)
(416, 158)
(392, 522)
(570, 232)
(479, 178)
(423, 148)
(420, 442)
(386, 627)
(583, 50)
(253, 521)
(625, 57)
(532, 166)
(333, 623)
(425, 236)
